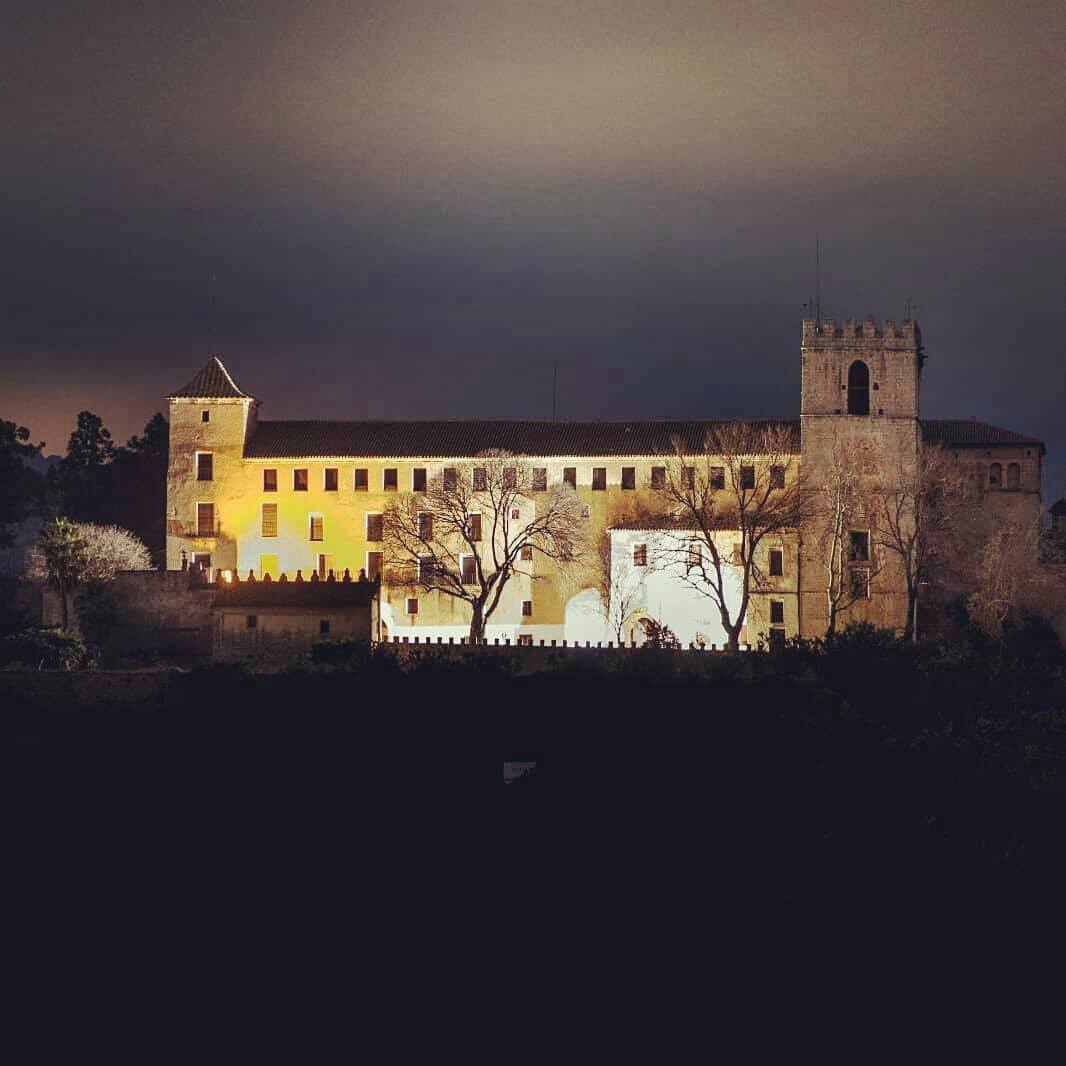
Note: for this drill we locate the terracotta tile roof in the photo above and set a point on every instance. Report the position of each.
(335, 594)
(968, 431)
(212, 382)
(445, 439)
(673, 523)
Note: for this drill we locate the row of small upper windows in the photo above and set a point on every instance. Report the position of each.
(1014, 476)
(657, 479)
(375, 526)
(694, 558)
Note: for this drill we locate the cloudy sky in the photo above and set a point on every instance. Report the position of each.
(412, 208)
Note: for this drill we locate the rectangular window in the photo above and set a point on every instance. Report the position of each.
(747, 477)
(599, 479)
(527, 553)
(427, 572)
(510, 477)
(317, 526)
(540, 479)
(268, 564)
(858, 546)
(412, 605)
(694, 557)
(205, 416)
(375, 524)
(299, 481)
(468, 569)
(570, 476)
(640, 555)
(373, 565)
(204, 466)
(451, 479)
(205, 519)
(270, 481)
(473, 526)
(425, 526)
(777, 562)
(325, 565)
(389, 479)
(201, 561)
(777, 612)
(480, 481)
(516, 514)
(251, 621)
(777, 477)
(658, 477)
(717, 477)
(323, 627)
(418, 479)
(362, 479)
(629, 477)
(860, 583)
(688, 477)
(330, 480)
(269, 522)
(525, 640)
(527, 608)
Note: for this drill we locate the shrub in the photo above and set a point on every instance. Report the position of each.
(43, 649)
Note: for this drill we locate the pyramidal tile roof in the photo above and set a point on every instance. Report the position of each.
(211, 383)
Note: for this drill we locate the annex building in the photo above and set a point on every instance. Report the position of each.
(252, 495)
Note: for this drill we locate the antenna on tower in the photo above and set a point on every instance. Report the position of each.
(911, 307)
(817, 282)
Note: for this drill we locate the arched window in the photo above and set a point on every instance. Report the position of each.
(995, 476)
(858, 388)
(1014, 476)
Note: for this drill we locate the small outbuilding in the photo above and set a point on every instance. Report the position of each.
(279, 619)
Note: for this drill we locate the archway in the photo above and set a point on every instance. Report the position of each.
(858, 388)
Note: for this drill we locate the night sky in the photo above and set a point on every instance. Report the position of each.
(411, 209)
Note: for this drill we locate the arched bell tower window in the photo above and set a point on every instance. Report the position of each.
(858, 388)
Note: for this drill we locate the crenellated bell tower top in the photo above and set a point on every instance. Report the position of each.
(860, 368)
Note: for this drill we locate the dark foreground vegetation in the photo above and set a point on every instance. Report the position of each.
(876, 767)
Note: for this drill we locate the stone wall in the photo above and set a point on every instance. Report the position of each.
(167, 612)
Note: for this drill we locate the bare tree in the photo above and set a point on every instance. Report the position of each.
(1008, 579)
(476, 526)
(838, 516)
(620, 587)
(746, 482)
(923, 518)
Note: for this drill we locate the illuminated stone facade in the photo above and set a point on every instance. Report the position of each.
(246, 494)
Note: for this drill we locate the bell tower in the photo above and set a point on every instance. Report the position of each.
(211, 420)
(858, 407)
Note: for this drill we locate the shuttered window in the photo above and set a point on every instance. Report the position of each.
(389, 479)
(480, 480)
(570, 476)
(629, 477)
(373, 565)
(468, 569)
(599, 478)
(330, 479)
(777, 562)
(362, 479)
(658, 477)
(374, 526)
(299, 481)
(269, 526)
(205, 466)
(205, 519)
(717, 477)
(418, 481)
(540, 479)
(425, 525)
(317, 526)
(270, 481)
(473, 525)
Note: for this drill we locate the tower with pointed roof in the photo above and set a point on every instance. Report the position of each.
(211, 421)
